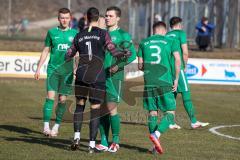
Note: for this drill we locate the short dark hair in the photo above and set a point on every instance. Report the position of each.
(64, 11)
(204, 19)
(159, 24)
(116, 9)
(92, 14)
(175, 20)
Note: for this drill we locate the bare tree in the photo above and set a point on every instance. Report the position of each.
(232, 22)
(219, 21)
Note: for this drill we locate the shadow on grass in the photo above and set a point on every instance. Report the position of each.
(52, 142)
(18, 129)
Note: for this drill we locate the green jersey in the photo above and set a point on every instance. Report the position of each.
(157, 52)
(181, 38)
(58, 41)
(118, 36)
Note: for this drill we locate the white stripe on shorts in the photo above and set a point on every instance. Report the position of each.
(184, 80)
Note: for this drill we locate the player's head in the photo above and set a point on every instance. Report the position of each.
(92, 14)
(64, 17)
(101, 22)
(159, 28)
(176, 23)
(112, 16)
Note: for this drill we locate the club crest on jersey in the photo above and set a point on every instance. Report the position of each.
(70, 39)
(114, 39)
(63, 47)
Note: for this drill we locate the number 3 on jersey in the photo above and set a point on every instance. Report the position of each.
(88, 43)
(155, 50)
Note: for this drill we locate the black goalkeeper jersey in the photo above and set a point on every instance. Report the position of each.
(91, 44)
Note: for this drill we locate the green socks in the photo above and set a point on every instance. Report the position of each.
(167, 119)
(47, 109)
(152, 123)
(104, 129)
(186, 97)
(115, 125)
(61, 108)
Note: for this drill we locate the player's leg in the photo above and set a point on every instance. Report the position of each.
(47, 112)
(63, 90)
(51, 85)
(96, 98)
(81, 92)
(174, 125)
(104, 128)
(167, 104)
(60, 110)
(190, 109)
(114, 94)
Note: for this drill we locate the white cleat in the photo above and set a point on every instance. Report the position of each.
(199, 125)
(113, 148)
(101, 147)
(47, 132)
(174, 126)
(54, 133)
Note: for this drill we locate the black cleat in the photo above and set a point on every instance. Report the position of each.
(75, 144)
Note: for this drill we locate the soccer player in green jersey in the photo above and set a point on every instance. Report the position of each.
(57, 41)
(114, 81)
(154, 59)
(183, 88)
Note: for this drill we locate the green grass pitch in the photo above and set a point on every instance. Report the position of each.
(21, 125)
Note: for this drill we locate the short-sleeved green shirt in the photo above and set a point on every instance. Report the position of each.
(181, 37)
(58, 41)
(157, 52)
(118, 36)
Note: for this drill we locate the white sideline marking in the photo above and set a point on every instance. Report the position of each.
(214, 131)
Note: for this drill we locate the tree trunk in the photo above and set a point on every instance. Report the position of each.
(219, 21)
(232, 22)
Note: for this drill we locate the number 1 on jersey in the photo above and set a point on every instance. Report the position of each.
(88, 43)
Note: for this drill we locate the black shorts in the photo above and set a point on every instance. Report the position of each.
(95, 91)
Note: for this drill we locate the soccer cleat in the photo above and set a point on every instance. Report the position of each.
(101, 147)
(114, 147)
(198, 125)
(156, 142)
(54, 133)
(75, 144)
(174, 126)
(47, 132)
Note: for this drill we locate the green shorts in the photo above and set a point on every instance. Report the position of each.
(182, 83)
(62, 84)
(114, 90)
(164, 102)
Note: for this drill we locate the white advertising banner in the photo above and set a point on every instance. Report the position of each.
(20, 64)
(213, 71)
(201, 71)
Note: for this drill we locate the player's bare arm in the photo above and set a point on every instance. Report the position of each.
(140, 63)
(185, 55)
(43, 58)
(177, 69)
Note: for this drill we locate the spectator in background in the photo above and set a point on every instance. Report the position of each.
(24, 24)
(74, 23)
(82, 23)
(205, 31)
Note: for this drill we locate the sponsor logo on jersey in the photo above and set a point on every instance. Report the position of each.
(56, 37)
(191, 70)
(63, 47)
